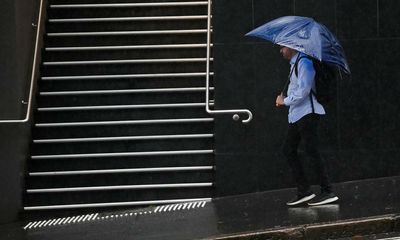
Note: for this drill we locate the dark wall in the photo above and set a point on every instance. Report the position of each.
(360, 134)
(14, 146)
(16, 44)
(16, 54)
(7, 62)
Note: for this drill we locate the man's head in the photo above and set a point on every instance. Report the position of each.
(287, 53)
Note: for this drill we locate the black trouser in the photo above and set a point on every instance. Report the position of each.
(305, 129)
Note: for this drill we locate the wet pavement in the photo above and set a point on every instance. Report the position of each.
(368, 207)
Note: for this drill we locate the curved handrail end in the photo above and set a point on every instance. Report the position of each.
(236, 117)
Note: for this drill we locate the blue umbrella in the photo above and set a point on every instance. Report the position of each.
(304, 35)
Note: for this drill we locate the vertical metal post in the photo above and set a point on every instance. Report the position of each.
(33, 75)
(235, 112)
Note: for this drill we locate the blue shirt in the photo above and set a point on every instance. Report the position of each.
(299, 90)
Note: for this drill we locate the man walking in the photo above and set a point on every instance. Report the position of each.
(304, 113)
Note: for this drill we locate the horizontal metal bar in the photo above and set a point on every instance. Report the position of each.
(114, 33)
(121, 76)
(123, 154)
(129, 47)
(120, 187)
(124, 138)
(119, 107)
(129, 122)
(128, 61)
(124, 19)
(115, 204)
(123, 5)
(125, 170)
(125, 91)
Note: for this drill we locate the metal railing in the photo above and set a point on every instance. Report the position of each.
(123, 170)
(33, 75)
(127, 47)
(34, 67)
(121, 187)
(129, 5)
(125, 122)
(116, 204)
(123, 154)
(123, 19)
(235, 112)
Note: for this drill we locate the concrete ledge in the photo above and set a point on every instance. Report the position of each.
(340, 229)
(396, 224)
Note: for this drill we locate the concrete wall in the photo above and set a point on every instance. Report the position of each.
(360, 135)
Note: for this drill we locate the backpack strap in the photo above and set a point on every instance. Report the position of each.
(297, 63)
(311, 100)
(311, 91)
(290, 74)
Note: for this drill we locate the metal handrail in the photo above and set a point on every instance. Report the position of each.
(123, 154)
(125, 91)
(115, 107)
(120, 76)
(130, 5)
(120, 19)
(127, 47)
(235, 112)
(33, 75)
(123, 170)
(125, 33)
(125, 122)
(120, 187)
(124, 138)
(116, 204)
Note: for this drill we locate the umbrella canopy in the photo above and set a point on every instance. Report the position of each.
(304, 35)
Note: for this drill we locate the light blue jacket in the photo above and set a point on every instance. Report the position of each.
(299, 90)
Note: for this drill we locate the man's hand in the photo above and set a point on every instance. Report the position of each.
(279, 100)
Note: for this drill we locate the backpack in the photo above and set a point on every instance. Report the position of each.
(325, 76)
